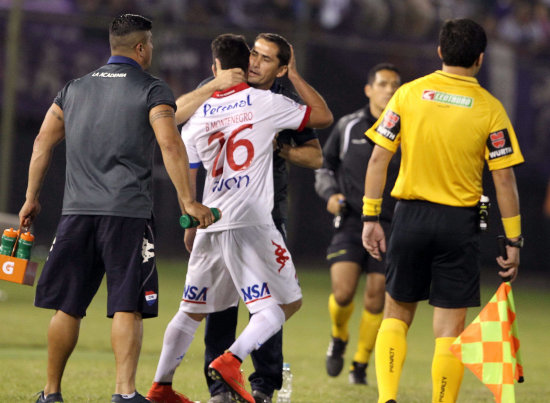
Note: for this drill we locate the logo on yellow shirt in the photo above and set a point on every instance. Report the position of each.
(499, 144)
(390, 125)
(449, 99)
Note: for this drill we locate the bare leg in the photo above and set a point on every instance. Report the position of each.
(344, 277)
(449, 322)
(373, 299)
(126, 336)
(62, 337)
(292, 308)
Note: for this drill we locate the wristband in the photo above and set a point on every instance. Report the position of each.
(370, 218)
(512, 226)
(372, 207)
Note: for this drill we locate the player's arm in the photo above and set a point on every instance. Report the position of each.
(190, 233)
(373, 236)
(176, 162)
(51, 133)
(188, 103)
(326, 184)
(320, 116)
(508, 204)
(307, 155)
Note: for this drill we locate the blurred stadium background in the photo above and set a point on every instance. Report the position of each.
(48, 42)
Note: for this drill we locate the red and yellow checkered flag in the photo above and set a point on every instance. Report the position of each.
(489, 346)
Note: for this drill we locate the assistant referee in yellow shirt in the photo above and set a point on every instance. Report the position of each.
(447, 126)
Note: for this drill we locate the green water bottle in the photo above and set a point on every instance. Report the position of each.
(24, 246)
(188, 221)
(8, 241)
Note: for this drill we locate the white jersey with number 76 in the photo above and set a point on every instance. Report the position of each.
(231, 135)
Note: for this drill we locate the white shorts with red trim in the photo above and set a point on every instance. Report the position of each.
(252, 263)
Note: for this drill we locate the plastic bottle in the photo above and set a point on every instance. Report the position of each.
(283, 396)
(484, 213)
(24, 246)
(8, 240)
(188, 221)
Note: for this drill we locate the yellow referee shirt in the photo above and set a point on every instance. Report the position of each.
(447, 126)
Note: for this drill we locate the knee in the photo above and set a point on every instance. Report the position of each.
(292, 308)
(343, 296)
(374, 303)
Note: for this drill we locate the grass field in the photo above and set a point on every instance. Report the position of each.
(89, 376)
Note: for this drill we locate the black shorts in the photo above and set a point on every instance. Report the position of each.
(347, 246)
(84, 249)
(433, 253)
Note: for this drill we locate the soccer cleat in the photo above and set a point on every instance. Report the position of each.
(224, 397)
(165, 394)
(50, 398)
(391, 401)
(358, 373)
(117, 398)
(335, 356)
(227, 368)
(260, 397)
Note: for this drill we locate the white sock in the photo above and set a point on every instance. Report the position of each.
(262, 326)
(177, 338)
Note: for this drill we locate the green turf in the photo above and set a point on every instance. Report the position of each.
(89, 376)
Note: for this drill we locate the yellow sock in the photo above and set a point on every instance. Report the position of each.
(447, 372)
(390, 352)
(368, 330)
(339, 316)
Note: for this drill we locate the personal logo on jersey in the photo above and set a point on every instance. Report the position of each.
(194, 295)
(499, 144)
(255, 293)
(150, 297)
(449, 99)
(147, 250)
(210, 110)
(281, 254)
(390, 125)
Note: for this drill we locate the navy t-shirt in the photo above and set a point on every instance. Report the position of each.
(109, 140)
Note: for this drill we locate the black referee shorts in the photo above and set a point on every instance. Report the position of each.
(433, 254)
(347, 246)
(87, 247)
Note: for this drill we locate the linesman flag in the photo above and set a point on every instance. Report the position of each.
(489, 346)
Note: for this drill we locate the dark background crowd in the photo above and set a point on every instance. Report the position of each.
(336, 42)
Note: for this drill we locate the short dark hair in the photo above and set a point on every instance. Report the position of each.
(128, 23)
(231, 50)
(461, 42)
(284, 46)
(381, 66)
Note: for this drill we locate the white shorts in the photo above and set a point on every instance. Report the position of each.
(252, 263)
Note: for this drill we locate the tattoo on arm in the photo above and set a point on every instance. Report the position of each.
(162, 114)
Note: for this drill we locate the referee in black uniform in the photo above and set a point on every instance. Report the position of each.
(109, 120)
(341, 184)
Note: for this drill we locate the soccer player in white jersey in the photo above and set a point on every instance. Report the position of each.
(242, 255)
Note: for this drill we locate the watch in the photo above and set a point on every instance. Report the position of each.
(515, 244)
